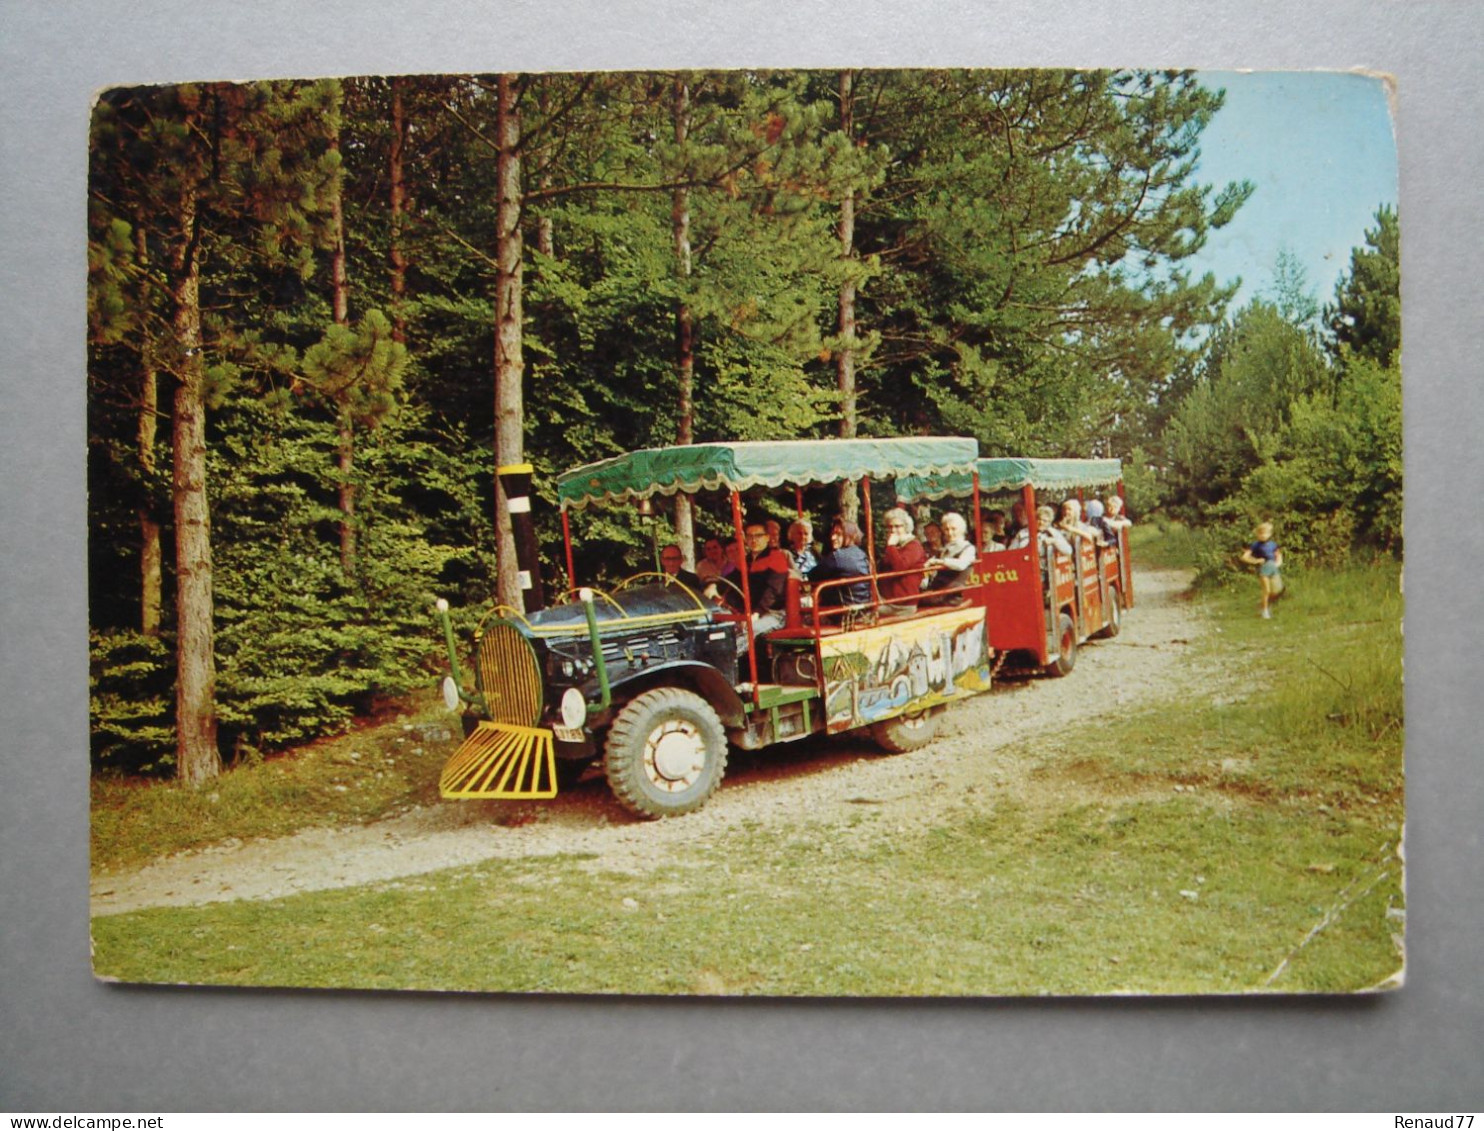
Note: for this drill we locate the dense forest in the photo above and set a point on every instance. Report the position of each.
(322, 313)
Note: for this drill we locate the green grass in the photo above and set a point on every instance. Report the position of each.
(1244, 842)
(371, 772)
(1163, 545)
(1177, 896)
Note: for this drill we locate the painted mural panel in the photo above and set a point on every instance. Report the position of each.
(906, 666)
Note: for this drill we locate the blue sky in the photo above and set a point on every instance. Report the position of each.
(1319, 149)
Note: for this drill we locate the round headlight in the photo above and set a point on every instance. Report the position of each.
(574, 708)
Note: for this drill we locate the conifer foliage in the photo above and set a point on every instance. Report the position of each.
(1286, 422)
(321, 313)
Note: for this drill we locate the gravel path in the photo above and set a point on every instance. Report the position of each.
(818, 781)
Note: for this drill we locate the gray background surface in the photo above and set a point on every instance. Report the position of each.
(68, 1044)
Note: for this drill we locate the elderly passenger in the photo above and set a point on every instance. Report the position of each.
(801, 547)
(903, 552)
(1047, 534)
(955, 561)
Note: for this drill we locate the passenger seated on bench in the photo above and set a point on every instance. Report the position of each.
(734, 574)
(1016, 525)
(844, 558)
(995, 537)
(903, 552)
(932, 542)
(709, 568)
(1047, 534)
(801, 546)
(767, 582)
(1096, 520)
(1116, 518)
(954, 562)
(1072, 526)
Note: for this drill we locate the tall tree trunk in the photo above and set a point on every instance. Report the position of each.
(340, 311)
(545, 229)
(845, 355)
(509, 361)
(396, 254)
(685, 344)
(346, 460)
(151, 553)
(197, 757)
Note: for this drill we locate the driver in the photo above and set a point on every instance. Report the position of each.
(674, 567)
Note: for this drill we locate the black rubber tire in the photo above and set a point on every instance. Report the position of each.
(1065, 662)
(1115, 615)
(906, 732)
(631, 763)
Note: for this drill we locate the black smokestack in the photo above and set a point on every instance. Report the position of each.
(515, 479)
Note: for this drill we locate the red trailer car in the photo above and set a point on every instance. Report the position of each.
(1043, 603)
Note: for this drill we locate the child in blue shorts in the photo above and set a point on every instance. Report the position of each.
(1266, 556)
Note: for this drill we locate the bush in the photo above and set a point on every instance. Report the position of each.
(302, 648)
(131, 702)
(1141, 483)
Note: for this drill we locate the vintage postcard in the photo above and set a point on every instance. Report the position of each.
(794, 532)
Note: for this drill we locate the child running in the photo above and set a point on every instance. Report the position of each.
(1266, 556)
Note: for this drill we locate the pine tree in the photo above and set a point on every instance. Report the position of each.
(1030, 233)
(1365, 319)
(212, 175)
(358, 371)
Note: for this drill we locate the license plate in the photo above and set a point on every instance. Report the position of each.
(569, 734)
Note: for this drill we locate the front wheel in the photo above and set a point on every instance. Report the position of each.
(1066, 647)
(906, 732)
(666, 753)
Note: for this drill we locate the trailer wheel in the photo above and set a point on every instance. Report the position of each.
(1067, 646)
(906, 732)
(1115, 616)
(666, 753)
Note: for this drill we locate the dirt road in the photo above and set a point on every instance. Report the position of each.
(814, 782)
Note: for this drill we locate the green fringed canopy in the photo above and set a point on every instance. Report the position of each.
(709, 467)
(1011, 474)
